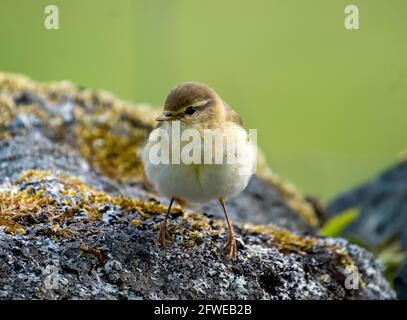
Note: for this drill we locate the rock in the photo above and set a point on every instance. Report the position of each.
(400, 281)
(79, 221)
(260, 203)
(382, 204)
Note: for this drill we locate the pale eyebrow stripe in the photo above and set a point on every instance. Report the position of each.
(200, 103)
(197, 104)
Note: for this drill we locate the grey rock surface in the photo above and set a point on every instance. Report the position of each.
(112, 258)
(77, 222)
(34, 266)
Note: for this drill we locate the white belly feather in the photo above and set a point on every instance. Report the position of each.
(200, 183)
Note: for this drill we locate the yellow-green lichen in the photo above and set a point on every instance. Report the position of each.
(145, 208)
(23, 208)
(106, 131)
(26, 207)
(110, 133)
(287, 241)
(91, 198)
(99, 255)
(136, 222)
(7, 113)
(115, 155)
(193, 229)
(283, 239)
(33, 175)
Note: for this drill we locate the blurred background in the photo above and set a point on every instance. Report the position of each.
(329, 104)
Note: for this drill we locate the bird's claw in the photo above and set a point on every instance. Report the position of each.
(164, 236)
(231, 248)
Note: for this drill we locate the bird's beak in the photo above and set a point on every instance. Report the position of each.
(166, 117)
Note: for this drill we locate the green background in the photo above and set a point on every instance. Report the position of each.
(330, 104)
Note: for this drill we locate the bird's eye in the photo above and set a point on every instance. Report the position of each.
(190, 110)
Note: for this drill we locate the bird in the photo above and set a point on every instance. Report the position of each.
(197, 109)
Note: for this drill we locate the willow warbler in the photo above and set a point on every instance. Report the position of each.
(196, 120)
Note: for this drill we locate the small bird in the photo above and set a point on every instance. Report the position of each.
(198, 107)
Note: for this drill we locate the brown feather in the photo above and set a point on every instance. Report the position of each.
(232, 115)
(186, 94)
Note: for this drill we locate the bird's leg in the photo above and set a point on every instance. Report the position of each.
(164, 234)
(230, 244)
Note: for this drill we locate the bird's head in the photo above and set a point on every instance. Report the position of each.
(193, 103)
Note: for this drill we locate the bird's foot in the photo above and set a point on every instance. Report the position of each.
(230, 247)
(164, 236)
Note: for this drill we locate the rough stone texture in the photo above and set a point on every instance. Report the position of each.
(383, 208)
(77, 219)
(272, 207)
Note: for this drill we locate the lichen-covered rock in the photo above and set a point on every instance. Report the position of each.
(78, 220)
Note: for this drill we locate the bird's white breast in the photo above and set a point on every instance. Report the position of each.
(200, 183)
